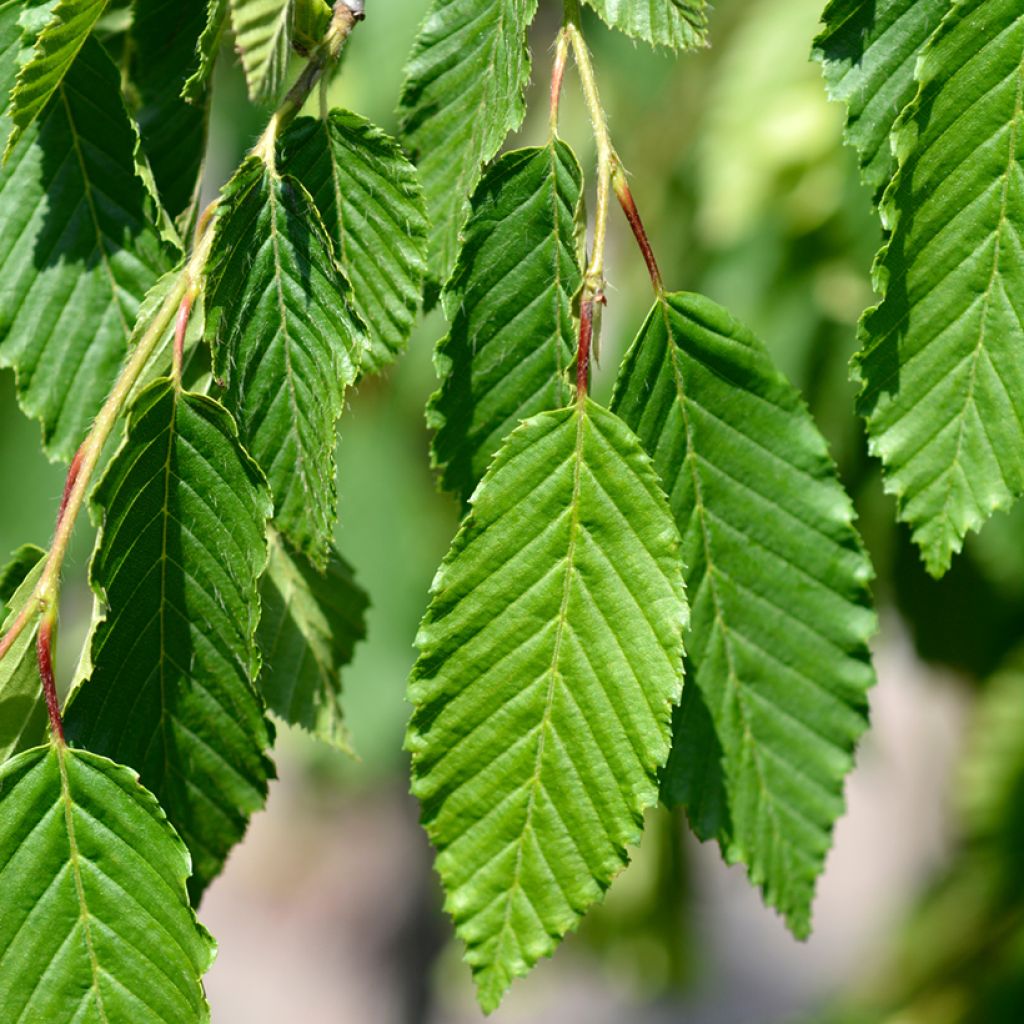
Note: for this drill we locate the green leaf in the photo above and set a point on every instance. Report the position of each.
(778, 581)
(679, 24)
(550, 658)
(463, 94)
(195, 87)
(372, 205)
(513, 334)
(310, 625)
(286, 342)
(163, 41)
(175, 659)
(22, 709)
(56, 48)
(79, 251)
(868, 50)
(941, 373)
(263, 35)
(96, 927)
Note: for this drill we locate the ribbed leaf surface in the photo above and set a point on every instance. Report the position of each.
(777, 579)
(55, 50)
(941, 365)
(372, 205)
(22, 710)
(96, 927)
(513, 335)
(78, 248)
(310, 626)
(286, 343)
(868, 49)
(163, 45)
(679, 24)
(550, 658)
(174, 662)
(194, 89)
(463, 94)
(263, 35)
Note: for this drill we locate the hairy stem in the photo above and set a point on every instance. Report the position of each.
(628, 205)
(44, 657)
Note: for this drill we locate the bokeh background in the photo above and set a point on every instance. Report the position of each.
(329, 913)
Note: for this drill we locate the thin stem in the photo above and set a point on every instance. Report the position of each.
(44, 657)
(180, 327)
(557, 75)
(628, 205)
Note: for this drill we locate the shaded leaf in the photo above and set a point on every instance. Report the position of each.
(463, 94)
(22, 708)
(778, 582)
(285, 342)
(96, 924)
(55, 50)
(372, 206)
(679, 24)
(550, 658)
(174, 661)
(941, 374)
(513, 334)
(868, 49)
(79, 250)
(310, 625)
(194, 89)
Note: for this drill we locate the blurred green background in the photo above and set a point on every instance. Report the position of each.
(329, 911)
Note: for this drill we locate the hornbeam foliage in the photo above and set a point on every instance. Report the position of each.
(174, 658)
(286, 343)
(513, 335)
(96, 925)
(869, 49)
(777, 580)
(263, 34)
(463, 94)
(78, 247)
(941, 373)
(679, 24)
(550, 659)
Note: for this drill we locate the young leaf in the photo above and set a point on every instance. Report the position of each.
(56, 48)
(778, 582)
(194, 89)
(263, 35)
(513, 335)
(22, 709)
(79, 250)
(310, 625)
(163, 41)
(679, 24)
(372, 205)
(550, 658)
(174, 661)
(941, 369)
(868, 50)
(286, 342)
(96, 924)
(463, 94)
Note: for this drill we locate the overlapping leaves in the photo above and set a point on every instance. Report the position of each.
(174, 661)
(777, 580)
(463, 94)
(78, 247)
(286, 342)
(550, 658)
(679, 24)
(263, 35)
(869, 49)
(940, 367)
(96, 923)
(513, 335)
(372, 206)
(310, 625)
